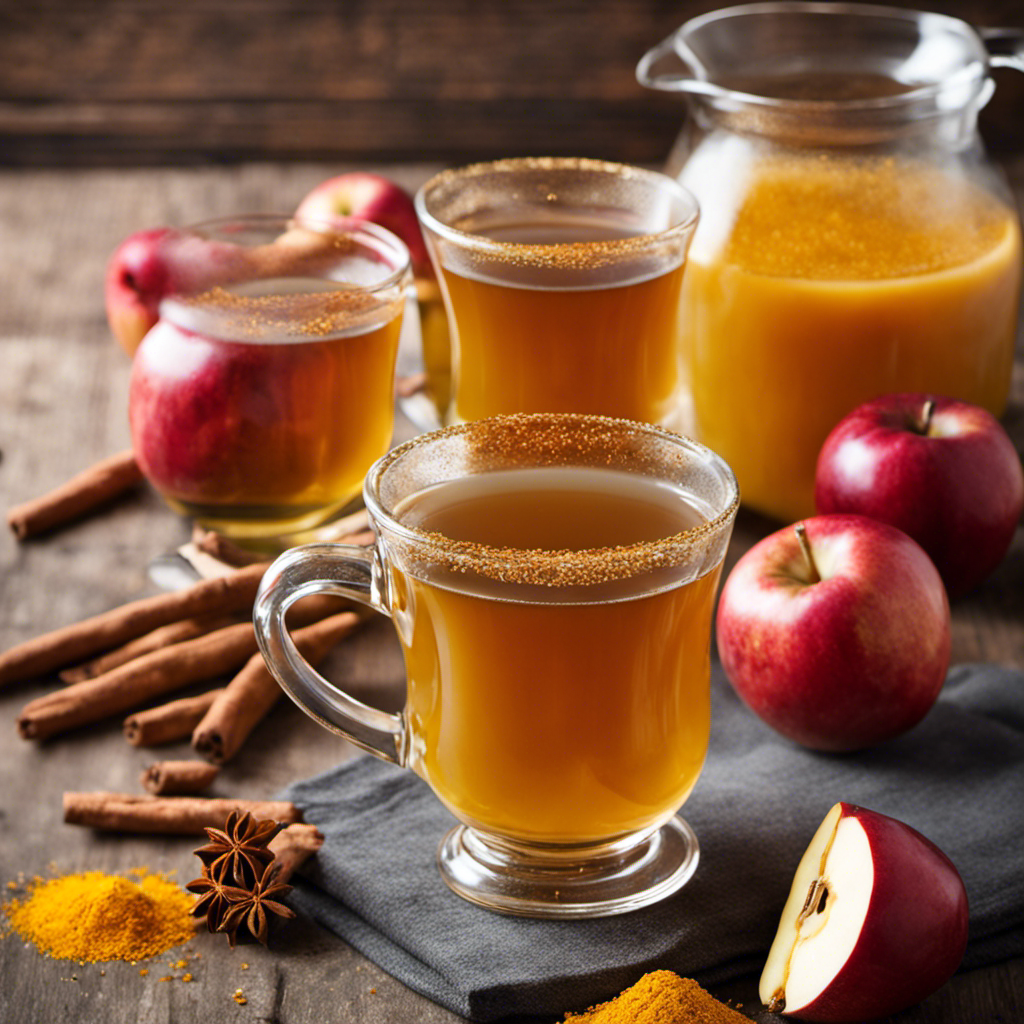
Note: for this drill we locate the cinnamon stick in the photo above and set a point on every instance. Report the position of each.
(168, 722)
(292, 847)
(180, 815)
(72, 644)
(154, 674)
(81, 494)
(139, 681)
(254, 691)
(178, 778)
(218, 546)
(164, 636)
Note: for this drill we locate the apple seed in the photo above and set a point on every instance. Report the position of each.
(817, 897)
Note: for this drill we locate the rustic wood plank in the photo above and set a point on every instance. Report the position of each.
(142, 81)
(122, 50)
(418, 128)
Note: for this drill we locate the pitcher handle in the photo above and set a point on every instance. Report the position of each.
(682, 57)
(346, 571)
(1005, 47)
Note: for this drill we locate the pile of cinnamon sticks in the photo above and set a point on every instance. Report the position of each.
(132, 657)
(129, 657)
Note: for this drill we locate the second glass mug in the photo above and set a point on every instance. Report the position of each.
(562, 281)
(551, 579)
(265, 391)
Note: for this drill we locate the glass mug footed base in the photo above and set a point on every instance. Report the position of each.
(570, 881)
(587, 551)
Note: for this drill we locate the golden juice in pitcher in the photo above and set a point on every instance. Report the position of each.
(556, 713)
(839, 280)
(575, 334)
(259, 408)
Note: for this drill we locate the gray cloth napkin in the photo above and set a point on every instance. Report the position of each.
(958, 777)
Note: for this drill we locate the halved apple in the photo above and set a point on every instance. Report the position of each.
(875, 921)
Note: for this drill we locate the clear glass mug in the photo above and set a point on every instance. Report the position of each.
(854, 240)
(266, 390)
(551, 579)
(561, 278)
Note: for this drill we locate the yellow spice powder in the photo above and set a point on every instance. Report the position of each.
(661, 997)
(95, 916)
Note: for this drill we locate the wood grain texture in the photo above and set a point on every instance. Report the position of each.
(63, 395)
(146, 81)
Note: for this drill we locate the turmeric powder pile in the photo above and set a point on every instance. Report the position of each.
(95, 916)
(660, 997)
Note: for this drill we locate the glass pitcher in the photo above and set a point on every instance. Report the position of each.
(854, 241)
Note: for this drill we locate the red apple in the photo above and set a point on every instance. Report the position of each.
(370, 197)
(876, 920)
(943, 471)
(136, 280)
(838, 638)
(150, 265)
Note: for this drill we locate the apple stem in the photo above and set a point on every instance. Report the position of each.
(801, 535)
(926, 416)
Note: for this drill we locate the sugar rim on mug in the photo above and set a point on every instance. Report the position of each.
(352, 305)
(584, 255)
(695, 546)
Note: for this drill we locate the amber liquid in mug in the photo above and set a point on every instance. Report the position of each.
(270, 434)
(556, 714)
(608, 344)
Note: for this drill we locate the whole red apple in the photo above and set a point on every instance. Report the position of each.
(943, 471)
(876, 920)
(835, 632)
(150, 265)
(137, 279)
(370, 197)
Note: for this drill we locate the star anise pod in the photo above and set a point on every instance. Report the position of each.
(213, 901)
(251, 907)
(238, 854)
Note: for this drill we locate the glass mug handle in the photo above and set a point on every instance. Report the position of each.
(345, 571)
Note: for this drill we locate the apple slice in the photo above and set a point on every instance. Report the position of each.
(875, 921)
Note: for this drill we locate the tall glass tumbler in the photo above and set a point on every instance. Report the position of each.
(562, 279)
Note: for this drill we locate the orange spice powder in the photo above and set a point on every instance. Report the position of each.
(660, 997)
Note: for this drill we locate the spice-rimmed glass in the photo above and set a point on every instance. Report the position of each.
(551, 580)
(265, 392)
(561, 277)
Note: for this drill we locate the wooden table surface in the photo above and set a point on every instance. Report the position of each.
(63, 399)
